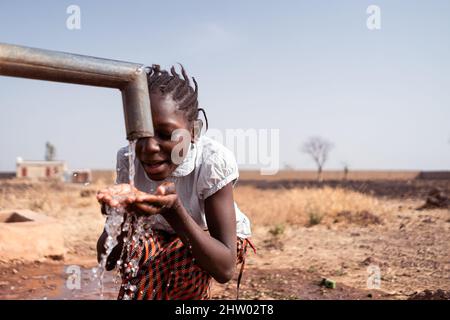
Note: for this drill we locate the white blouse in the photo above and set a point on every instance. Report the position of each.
(207, 167)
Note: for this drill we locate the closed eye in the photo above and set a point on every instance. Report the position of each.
(163, 135)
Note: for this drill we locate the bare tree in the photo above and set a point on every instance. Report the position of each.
(318, 148)
(50, 152)
(345, 170)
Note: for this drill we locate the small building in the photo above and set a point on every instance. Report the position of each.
(81, 176)
(40, 169)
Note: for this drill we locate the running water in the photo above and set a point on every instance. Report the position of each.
(131, 159)
(136, 229)
(115, 224)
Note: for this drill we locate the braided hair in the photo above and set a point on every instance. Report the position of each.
(178, 88)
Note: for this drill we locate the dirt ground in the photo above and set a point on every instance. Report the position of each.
(344, 240)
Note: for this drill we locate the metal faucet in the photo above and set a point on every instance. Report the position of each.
(129, 78)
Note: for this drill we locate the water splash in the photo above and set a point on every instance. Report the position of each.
(115, 223)
(131, 159)
(137, 229)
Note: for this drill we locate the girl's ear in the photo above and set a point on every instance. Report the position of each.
(192, 133)
(196, 130)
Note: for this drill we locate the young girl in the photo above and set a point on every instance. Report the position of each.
(196, 231)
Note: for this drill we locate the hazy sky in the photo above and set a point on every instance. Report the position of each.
(304, 67)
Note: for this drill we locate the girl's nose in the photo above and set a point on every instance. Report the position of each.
(150, 145)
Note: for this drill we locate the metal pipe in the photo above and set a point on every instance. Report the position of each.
(129, 78)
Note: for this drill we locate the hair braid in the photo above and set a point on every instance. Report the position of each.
(178, 88)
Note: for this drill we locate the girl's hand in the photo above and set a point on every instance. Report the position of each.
(164, 200)
(117, 195)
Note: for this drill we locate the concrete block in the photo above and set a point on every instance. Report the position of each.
(29, 236)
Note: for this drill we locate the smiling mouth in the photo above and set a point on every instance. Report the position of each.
(153, 163)
(154, 167)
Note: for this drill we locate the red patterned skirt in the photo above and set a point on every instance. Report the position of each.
(168, 271)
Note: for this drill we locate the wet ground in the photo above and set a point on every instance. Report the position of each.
(54, 280)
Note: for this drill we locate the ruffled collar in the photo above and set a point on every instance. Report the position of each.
(188, 163)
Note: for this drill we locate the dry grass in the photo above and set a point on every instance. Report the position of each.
(76, 208)
(308, 206)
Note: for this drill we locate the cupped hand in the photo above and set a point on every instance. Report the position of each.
(117, 195)
(165, 199)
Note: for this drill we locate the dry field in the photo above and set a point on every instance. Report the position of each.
(303, 233)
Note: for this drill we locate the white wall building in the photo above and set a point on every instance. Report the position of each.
(40, 169)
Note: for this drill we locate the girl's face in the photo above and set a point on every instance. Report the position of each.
(155, 152)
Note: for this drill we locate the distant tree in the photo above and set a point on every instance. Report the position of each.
(318, 148)
(345, 170)
(50, 152)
